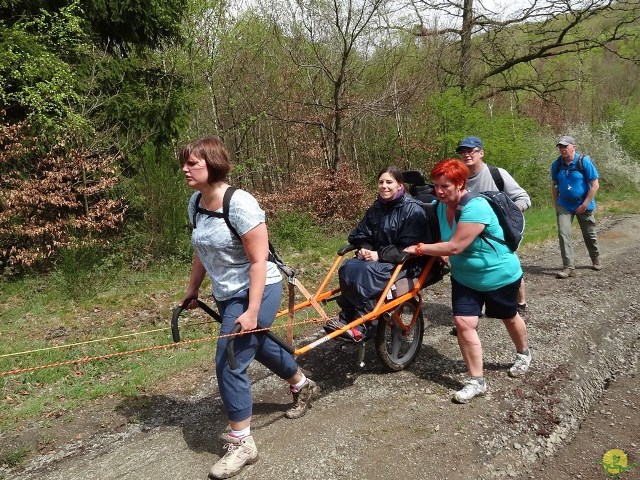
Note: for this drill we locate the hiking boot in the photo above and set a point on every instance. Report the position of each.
(596, 265)
(240, 452)
(302, 399)
(521, 365)
(522, 309)
(566, 273)
(472, 388)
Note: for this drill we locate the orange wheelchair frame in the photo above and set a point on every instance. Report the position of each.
(398, 310)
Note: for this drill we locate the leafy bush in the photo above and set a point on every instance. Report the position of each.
(333, 199)
(294, 229)
(628, 130)
(49, 196)
(158, 224)
(82, 271)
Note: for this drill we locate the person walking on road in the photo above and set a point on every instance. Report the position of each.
(247, 289)
(484, 177)
(574, 183)
(483, 273)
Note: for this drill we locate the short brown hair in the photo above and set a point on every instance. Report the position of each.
(213, 151)
(453, 169)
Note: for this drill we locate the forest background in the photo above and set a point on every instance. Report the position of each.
(312, 97)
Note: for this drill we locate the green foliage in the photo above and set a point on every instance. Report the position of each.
(158, 195)
(120, 27)
(64, 82)
(84, 270)
(629, 131)
(296, 230)
(510, 140)
(37, 79)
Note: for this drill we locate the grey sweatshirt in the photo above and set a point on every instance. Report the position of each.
(483, 181)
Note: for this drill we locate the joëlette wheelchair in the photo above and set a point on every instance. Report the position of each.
(398, 309)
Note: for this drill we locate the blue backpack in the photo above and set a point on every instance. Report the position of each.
(509, 215)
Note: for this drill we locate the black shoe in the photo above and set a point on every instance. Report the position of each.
(332, 325)
(353, 335)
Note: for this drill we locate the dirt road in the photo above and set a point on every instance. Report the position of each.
(579, 401)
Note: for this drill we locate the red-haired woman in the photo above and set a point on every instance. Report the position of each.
(484, 272)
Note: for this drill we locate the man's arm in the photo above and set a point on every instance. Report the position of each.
(514, 191)
(594, 186)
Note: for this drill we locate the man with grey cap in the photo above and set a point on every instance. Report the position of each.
(483, 177)
(574, 183)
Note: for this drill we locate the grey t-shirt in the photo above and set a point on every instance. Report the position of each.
(221, 252)
(483, 182)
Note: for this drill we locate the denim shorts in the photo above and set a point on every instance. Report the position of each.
(501, 303)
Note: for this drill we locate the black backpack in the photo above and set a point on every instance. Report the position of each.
(497, 177)
(509, 215)
(226, 200)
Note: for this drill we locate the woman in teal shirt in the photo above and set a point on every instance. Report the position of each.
(484, 273)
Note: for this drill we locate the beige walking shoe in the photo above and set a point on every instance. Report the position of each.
(596, 265)
(302, 399)
(240, 452)
(566, 273)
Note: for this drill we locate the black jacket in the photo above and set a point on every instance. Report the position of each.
(389, 227)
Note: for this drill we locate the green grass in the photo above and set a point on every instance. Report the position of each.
(540, 225)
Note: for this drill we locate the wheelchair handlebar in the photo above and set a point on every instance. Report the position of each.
(175, 331)
(346, 249)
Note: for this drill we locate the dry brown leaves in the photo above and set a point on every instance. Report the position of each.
(46, 198)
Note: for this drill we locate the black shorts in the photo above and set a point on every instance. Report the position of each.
(501, 303)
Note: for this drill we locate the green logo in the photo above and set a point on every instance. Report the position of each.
(615, 463)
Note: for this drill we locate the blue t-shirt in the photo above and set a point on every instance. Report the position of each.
(481, 266)
(221, 252)
(573, 184)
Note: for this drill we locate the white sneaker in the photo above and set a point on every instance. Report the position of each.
(472, 388)
(240, 452)
(521, 365)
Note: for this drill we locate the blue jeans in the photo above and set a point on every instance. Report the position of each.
(235, 385)
(587, 223)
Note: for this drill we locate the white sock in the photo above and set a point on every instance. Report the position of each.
(245, 432)
(297, 386)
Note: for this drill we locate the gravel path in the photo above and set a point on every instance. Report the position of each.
(580, 399)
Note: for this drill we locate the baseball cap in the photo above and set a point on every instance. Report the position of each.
(469, 142)
(566, 140)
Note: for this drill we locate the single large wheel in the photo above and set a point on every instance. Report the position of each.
(396, 345)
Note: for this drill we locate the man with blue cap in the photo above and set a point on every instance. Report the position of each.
(484, 177)
(574, 183)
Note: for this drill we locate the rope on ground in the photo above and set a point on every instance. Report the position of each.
(77, 344)
(78, 361)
